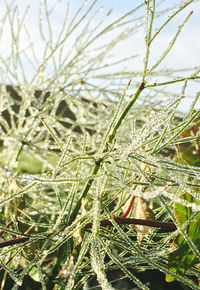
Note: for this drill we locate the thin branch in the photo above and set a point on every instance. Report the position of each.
(7, 226)
(106, 148)
(128, 221)
(13, 242)
(172, 82)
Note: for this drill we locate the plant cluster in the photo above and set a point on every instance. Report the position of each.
(99, 171)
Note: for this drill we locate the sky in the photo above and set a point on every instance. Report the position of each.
(185, 53)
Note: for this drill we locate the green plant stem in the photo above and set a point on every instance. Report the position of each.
(84, 193)
(173, 81)
(179, 131)
(7, 226)
(125, 112)
(169, 19)
(106, 148)
(148, 34)
(170, 45)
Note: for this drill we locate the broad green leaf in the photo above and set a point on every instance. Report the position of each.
(184, 258)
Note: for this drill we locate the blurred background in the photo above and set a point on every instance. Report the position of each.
(33, 30)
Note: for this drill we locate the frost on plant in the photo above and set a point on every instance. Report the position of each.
(84, 129)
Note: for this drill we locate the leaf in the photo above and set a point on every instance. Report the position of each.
(184, 258)
(140, 210)
(31, 249)
(64, 252)
(15, 205)
(189, 151)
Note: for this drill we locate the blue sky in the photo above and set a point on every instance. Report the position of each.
(186, 52)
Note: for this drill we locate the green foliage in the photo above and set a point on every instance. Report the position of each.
(80, 135)
(185, 257)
